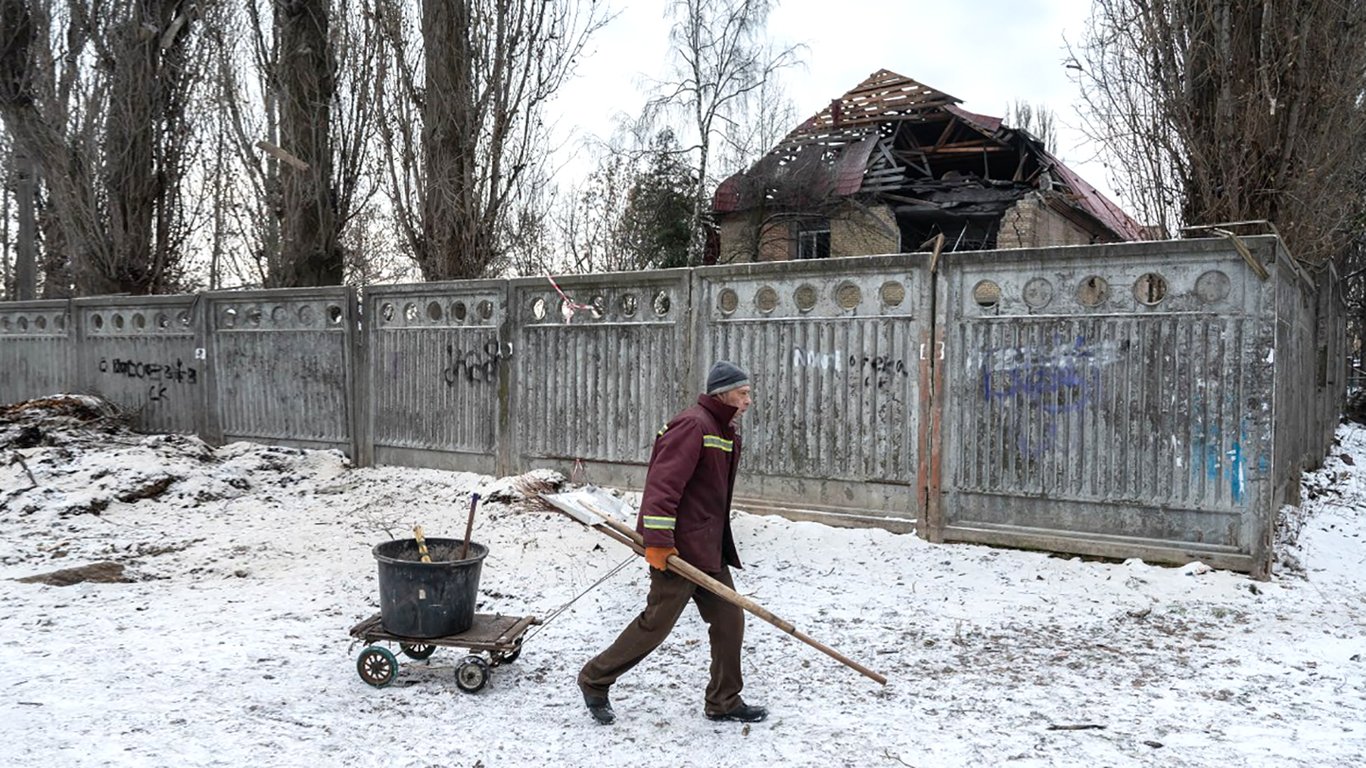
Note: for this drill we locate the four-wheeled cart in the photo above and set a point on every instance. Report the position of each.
(498, 636)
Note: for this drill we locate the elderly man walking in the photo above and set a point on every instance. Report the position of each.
(685, 511)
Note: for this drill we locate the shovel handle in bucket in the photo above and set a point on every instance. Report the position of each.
(469, 526)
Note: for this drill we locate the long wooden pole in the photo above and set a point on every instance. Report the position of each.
(469, 527)
(628, 536)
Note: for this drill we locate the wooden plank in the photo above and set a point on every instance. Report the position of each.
(489, 632)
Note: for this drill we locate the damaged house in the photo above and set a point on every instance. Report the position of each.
(893, 164)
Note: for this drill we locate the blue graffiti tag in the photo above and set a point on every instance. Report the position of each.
(1049, 381)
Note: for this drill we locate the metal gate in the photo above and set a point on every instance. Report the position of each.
(1109, 400)
(837, 360)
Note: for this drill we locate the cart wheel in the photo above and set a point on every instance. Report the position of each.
(418, 651)
(472, 674)
(507, 657)
(377, 666)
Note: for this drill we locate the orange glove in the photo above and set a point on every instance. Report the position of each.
(659, 557)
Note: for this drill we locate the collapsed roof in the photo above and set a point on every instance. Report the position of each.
(913, 148)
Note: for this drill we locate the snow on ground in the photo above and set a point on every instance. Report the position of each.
(246, 566)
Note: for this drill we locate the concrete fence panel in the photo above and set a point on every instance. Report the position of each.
(835, 357)
(144, 354)
(1110, 400)
(280, 366)
(36, 346)
(435, 380)
(597, 372)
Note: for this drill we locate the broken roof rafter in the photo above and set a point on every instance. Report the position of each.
(884, 96)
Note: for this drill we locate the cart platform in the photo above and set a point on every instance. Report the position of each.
(497, 635)
(489, 632)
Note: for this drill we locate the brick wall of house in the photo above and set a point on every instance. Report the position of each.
(738, 240)
(1031, 224)
(864, 231)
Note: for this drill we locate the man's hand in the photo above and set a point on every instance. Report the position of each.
(659, 557)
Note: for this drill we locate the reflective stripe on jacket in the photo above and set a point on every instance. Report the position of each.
(689, 485)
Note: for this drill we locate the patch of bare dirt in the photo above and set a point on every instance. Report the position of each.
(102, 573)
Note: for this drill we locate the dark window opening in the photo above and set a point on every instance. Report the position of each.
(960, 234)
(813, 242)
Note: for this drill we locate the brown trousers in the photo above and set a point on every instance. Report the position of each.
(669, 594)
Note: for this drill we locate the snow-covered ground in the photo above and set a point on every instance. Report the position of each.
(247, 565)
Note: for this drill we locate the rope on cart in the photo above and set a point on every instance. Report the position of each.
(629, 559)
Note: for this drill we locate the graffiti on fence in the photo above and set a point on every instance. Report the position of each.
(1040, 385)
(1218, 463)
(476, 366)
(159, 374)
(879, 371)
(875, 371)
(805, 358)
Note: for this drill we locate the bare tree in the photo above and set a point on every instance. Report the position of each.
(721, 59)
(1034, 119)
(463, 120)
(304, 77)
(95, 93)
(1231, 110)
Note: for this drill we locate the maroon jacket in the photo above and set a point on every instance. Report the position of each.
(689, 485)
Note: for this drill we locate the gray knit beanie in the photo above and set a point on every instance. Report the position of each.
(724, 377)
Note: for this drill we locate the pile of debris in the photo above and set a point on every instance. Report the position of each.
(43, 420)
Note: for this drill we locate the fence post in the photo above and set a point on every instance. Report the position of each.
(509, 414)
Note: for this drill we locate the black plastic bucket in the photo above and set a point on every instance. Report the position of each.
(435, 599)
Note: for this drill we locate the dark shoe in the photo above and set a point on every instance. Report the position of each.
(600, 708)
(745, 713)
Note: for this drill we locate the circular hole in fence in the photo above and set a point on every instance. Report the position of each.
(598, 307)
(728, 300)
(227, 319)
(118, 320)
(59, 322)
(161, 320)
(139, 322)
(629, 304)
(96, 321)
(805, 297)
(23, 324)
(40, 322)
(307, 315)
(661, 303)
(848, 295)
(1038, 292)
(253, 317)
(765, 299)
(1150, 288)
(1213, 286)
(334, 314)
(538, 309)
(986, 293)
(5, 324)
(892, 293)
(410, 312)
(183, 317)
(386, 312)
(434, 311)
(485, 309)
(1093, 291)
(459, 311)
(278, 314)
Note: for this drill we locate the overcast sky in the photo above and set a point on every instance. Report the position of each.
(988, 53)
